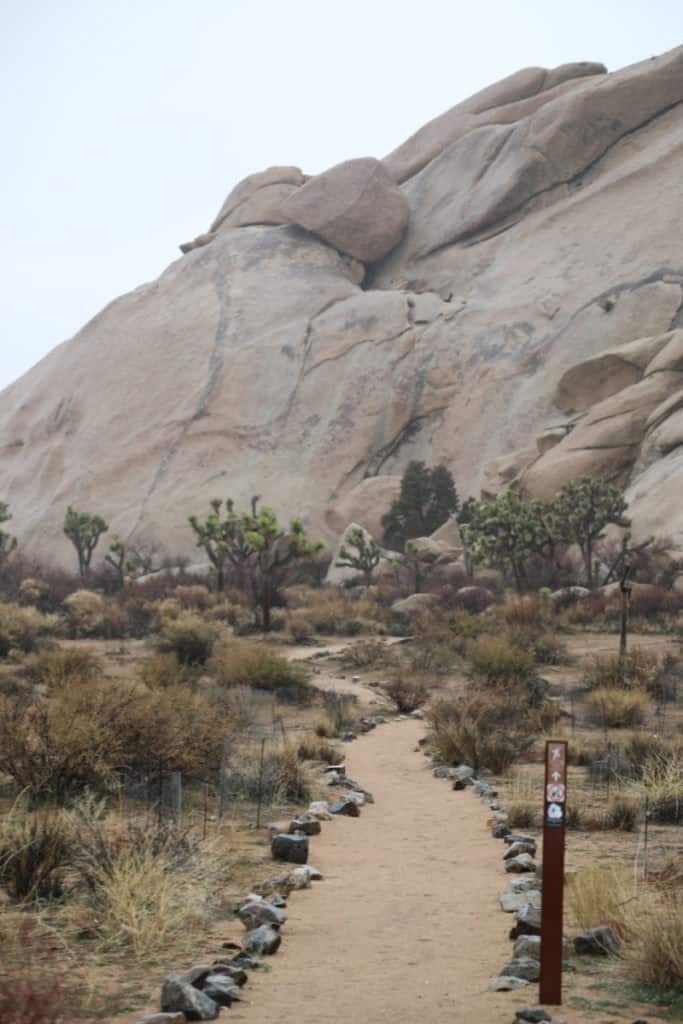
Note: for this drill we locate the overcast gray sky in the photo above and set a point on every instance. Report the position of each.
(124, 125)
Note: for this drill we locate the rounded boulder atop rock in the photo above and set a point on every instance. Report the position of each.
(355, 207)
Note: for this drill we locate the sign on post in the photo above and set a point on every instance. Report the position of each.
(554, 824)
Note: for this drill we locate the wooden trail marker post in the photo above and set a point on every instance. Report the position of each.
(554, 825)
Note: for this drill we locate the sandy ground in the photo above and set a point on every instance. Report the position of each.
(406, 924)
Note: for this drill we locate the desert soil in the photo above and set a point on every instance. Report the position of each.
(406, 924)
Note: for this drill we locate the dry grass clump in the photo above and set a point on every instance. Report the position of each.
(409, 691)
(638, 670)
(647, 919)
(602, 895)
(484, 731)
(367, 654)
(622, 812)
(661, 784)
(163, 670)
(656, 949)
(34, 852)
(617, 709)
(316, 748)
(24, 997)
(526, 612)
(301, 629)
(285, 779)
(189, 637)
(334, 611)
(61, 666)
(238, 663)
(340, 714)
(496, 661)
(522, 814)
(24, 628)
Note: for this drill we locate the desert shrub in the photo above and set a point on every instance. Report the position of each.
(24, 628)
(486, 731)
(23, 999)
(194, 597)
(548, 649)
(588, 611)
(300, 627)
(335, 611)
(522, 814)
(163, 670)
(34, 852)
(498, 662)
(366, 654)
(239, 663)
(285, 778)
(408, 691)
(642, 747)
(80, 736)
(85, 613)
(639, 668)
(315, 748)
(661, 784)
(189, 637)
(582, 751)
(61, 666)
(35, 592)
(325, 728)
(525, 612)
(340, 712)
(616, 709)
(468, 626)
(622, 813)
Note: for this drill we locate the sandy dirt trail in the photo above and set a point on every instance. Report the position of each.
(406, 925)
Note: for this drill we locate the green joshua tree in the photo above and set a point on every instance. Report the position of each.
(359, 552)
(84, 531)
(7, 542)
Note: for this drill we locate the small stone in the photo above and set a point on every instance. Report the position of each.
(178, 996)
(500, 831)
(465, 773)
(320, 809)
(263, 941)
(532, 1015)
(163, 1018)
(299, 879)
(355, 679)
(348, 737)
(234, 971)
(505, 983)
(520, 864)
(598, 941)
(512, 901)
(348, 807)
(519, 837)
(527, 946)
(305, 823)
(221, 989)
(514, 849)
(442, 771)
(290, 848)
(338, 769)
(258, 912)
(527, 921)
(523, 967)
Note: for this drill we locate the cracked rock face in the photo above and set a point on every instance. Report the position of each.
(521, 320)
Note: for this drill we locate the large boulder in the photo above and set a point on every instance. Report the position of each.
(509, 333)
(355, 206)
(245, 190)
(410, 607)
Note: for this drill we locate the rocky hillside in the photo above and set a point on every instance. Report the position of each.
(502, 293)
